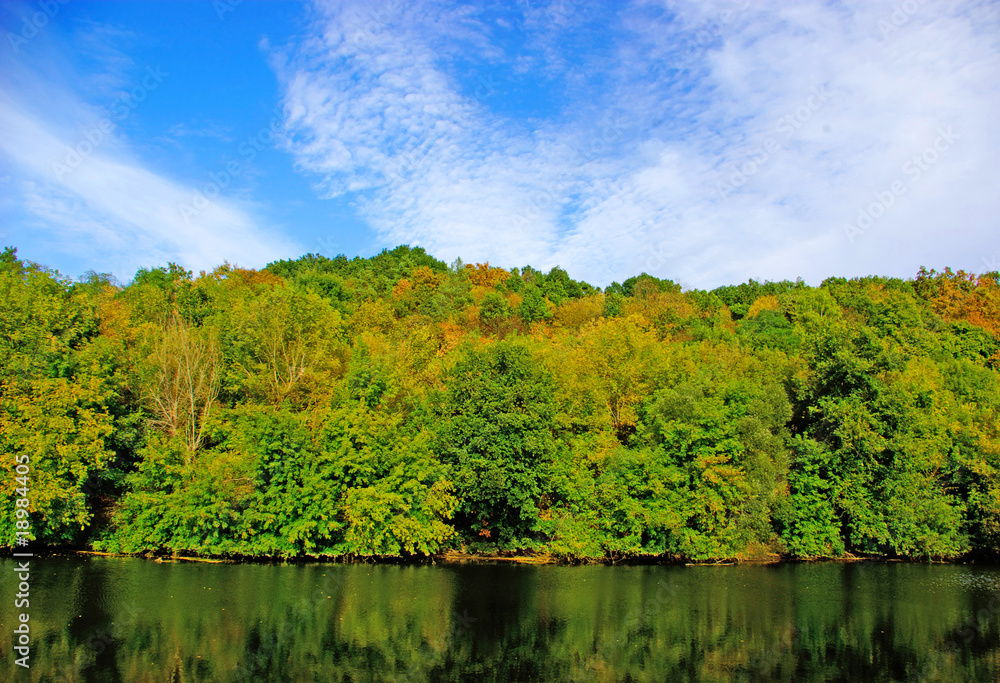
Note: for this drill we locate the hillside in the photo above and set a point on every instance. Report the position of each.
(399, 406)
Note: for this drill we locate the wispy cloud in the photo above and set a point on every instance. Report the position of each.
(708, 142)
(207, 130)
(88, 193)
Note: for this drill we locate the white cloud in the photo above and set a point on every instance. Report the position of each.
(635, 172)
(91, 197)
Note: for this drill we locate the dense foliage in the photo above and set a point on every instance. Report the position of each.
(396, 405)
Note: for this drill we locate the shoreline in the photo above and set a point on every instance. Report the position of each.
(456, 557)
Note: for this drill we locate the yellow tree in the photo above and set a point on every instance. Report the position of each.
(55, 392)
(284, 344)
(618, 357)
(181, 380)
(56, 429)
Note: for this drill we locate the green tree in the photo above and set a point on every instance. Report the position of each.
(534, 306)
(497, 434)
(56, 416)
(493, 311)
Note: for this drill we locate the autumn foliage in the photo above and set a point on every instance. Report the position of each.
(399, 406)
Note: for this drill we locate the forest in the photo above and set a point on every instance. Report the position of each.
(398, 406)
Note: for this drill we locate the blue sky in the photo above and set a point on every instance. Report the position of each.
(708, 142)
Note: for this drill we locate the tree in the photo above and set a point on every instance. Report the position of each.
(721, 432)
(55, 417)
(497, 435)
(618, 356)
(282, 343)
(534, 306)
(181, 381)
(493, 311)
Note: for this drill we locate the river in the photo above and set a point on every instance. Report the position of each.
(127, 619)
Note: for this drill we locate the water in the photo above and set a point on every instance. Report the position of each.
(122, 619)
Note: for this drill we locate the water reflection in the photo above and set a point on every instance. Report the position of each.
(117, 619)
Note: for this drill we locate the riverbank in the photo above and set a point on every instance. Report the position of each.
(459, 557)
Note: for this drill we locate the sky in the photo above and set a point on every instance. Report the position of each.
(706, 142)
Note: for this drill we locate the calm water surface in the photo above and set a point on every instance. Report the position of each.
(121, 619)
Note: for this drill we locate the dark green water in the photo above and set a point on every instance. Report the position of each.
(110, 619)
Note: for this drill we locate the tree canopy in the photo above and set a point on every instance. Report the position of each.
(398, 406)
